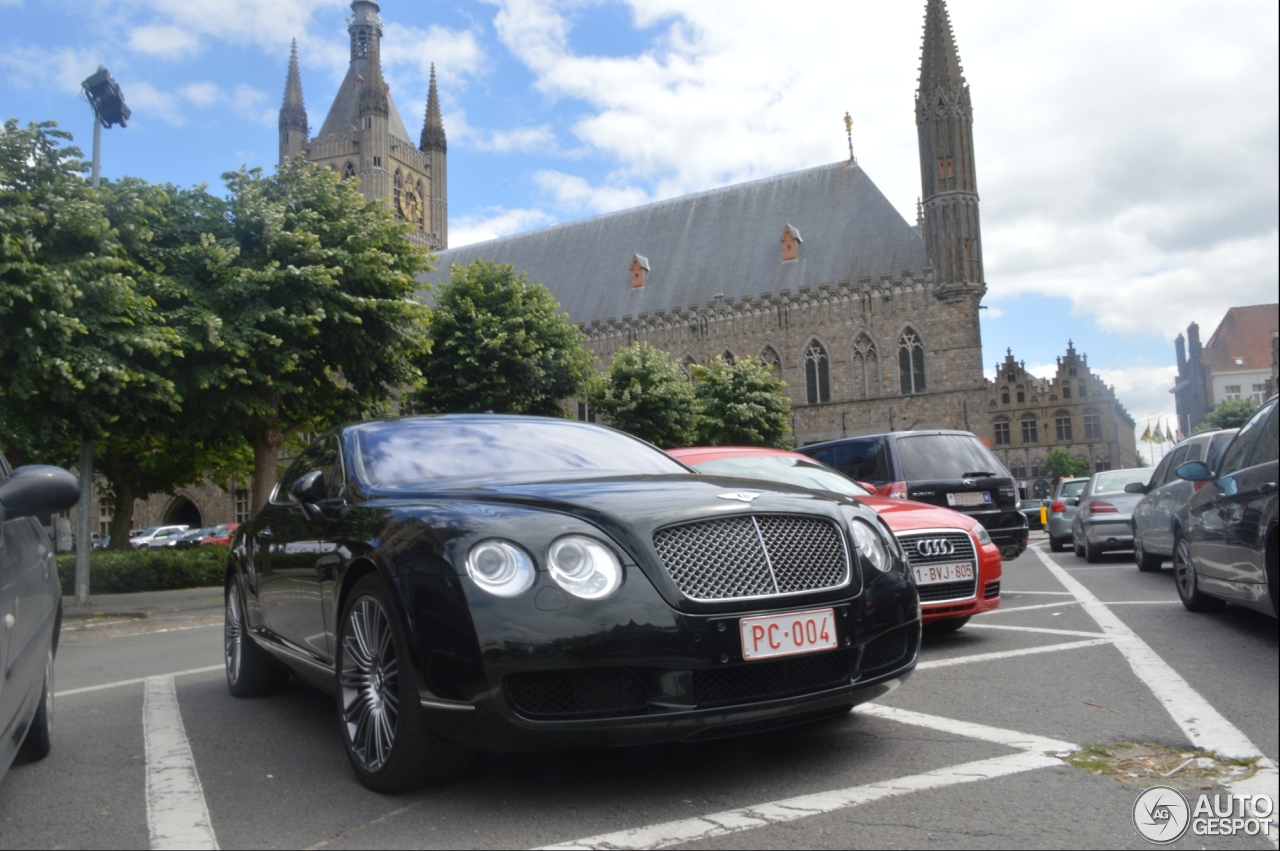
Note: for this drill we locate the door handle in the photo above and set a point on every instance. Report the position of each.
(1267, 487)
(325, 566)
(265, 535)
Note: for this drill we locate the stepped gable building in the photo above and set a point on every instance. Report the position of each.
(364, 136)
(1236, 363)
(1074, 410)
(873, 322)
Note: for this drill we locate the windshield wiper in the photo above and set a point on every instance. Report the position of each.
(975, 475)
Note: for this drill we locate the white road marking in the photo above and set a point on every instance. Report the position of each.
(1204, 726)
(1006, 609)
(1036, 753)
(1144, 603)
(1103, 567)
(177, 816)
(1043, 630)
(135, 681)
(1008, 654)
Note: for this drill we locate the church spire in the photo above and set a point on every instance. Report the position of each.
(939, 58)
(293, 111)
(432, 124)
(373, 90)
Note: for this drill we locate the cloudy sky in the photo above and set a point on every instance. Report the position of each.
(1127, 152)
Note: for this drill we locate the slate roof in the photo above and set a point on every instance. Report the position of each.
(344, 115)
(724, 241)
(1244, 333)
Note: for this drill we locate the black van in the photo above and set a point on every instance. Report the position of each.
(953, 469)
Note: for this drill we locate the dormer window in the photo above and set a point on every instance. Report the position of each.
(790, 243)
(639, 270)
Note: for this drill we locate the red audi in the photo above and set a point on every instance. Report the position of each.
(957, 567)
(221, 536)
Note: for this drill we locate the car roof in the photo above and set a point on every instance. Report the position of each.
(710, 453)
(892, 434)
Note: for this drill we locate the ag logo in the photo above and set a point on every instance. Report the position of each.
(1161, 814)
(741, 496)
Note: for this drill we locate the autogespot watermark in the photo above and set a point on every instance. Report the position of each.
(1163, 814)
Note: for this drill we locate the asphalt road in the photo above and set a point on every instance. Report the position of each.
(965, 754)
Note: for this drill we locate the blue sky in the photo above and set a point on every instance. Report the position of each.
(1127, 153)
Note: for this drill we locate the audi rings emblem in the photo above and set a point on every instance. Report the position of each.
(935, 547)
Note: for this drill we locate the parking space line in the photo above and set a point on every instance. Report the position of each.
(1003, 609)
(1043, 630)
(135, 681)
(1008, 654)
(970, 729)
(1204, 726)
(177, 815)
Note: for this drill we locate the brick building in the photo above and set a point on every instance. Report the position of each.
(1236, 363)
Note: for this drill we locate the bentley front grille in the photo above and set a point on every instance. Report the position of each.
(753, 556)
(942, 547)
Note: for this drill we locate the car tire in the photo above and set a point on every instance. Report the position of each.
(251, 671)
(945, 626)
(39, 740)
(1075, 546)
(1092, 552)
(1057, 544)
(1185, 578)
(384, 728)
(1146, 562)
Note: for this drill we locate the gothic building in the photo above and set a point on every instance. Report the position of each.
(872, 322)
(1074, 410)
(363, 135)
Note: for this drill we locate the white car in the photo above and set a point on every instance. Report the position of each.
(154, 533)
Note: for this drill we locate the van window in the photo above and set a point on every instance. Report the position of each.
(1195, 451)
(1072, 489)
(1268, 446)
(1169, 472)
(946, 456)
(1235, 456)
(1217, 446)
(863, 460)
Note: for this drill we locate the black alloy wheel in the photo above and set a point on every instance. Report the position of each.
(1146, 562)
(384, 726)
(251, 671)
(39, 739)
(1184, 574)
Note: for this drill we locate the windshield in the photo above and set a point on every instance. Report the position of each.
(1115, 481)
(930, 457)
(430, 449)
(1070, 489)
(780, 468)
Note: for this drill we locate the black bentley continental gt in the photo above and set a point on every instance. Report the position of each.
(483, 582)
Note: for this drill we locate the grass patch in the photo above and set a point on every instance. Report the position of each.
(125, 571)
(1146, 763)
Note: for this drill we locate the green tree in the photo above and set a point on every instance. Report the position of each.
(500, 344)
(741, 404)
(81, 346)
(312, 317)
(645, 393)
(1230, 413)
(1061, 464)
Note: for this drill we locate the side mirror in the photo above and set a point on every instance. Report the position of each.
(1135, 487)
(309, 488)
(38, 490)
(1073, 500)
(1194, 471)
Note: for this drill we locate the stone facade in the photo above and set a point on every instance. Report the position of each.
(1073, 410)
(1238, 362)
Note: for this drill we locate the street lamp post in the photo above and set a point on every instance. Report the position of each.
(107, 103)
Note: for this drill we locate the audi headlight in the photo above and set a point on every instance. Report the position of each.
(584, 567)
(500, 567)
(872, 545)
(980, 532)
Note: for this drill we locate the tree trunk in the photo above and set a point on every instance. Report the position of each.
(267, 440)
(122, 517)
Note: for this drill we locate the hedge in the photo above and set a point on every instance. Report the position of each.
(119, 572)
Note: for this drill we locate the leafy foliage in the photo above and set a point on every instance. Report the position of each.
(148, 569)
(1230, 413)
(741, 404)
(499, 343)
(1061, 464)
(645, 393)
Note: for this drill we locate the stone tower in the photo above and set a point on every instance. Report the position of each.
(364, 137)
(293, 112)
(948, 176)
(433, 145)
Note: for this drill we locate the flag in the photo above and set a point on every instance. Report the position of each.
(1168, 435)
(1156, 436)
(1146, 435)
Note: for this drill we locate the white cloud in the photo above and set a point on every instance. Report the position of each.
(165, 41)
(410, 51)
(64, 67)
(255, 105)
(494, 222)
(574, 192)
(147, 101)
(516, 139)
(201, 94)
(1144, 392)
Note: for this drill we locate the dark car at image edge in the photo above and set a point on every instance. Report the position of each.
(483, 582)
(952, 469)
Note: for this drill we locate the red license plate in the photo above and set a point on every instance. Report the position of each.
(786, 635)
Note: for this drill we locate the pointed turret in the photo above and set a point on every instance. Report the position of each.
(293, 111)
(373, 133)
(433, 145)
(948, 176)
(373, 89)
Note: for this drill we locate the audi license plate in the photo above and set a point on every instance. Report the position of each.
(983, 498)
(789, 634)
(935, 573)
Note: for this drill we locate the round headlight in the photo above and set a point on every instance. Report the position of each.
(872, 545)
(980, 532)
(584, 567)
(500, 568)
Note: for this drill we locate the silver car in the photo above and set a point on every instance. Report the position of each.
(1062, 509)
(152, 533)
(1104, 517)
(1153, 523)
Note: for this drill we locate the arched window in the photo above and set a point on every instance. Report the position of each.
(817, 374)
(687, 365)
(911, 362)
(865, 363)
(348, 170)
(729, 357)
(1066, 391)
(397, 202)
(1022, 397)
(770, 358)
(1004, 398)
